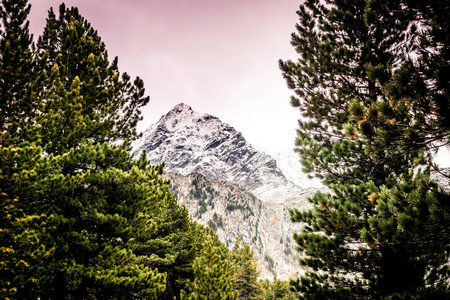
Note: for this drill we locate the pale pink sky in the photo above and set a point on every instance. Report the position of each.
(218, 56)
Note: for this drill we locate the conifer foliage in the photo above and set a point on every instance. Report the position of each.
(245, 272)
(108, 102)
(212, 276)
(16, 65)
(277, 289)
(373, 96)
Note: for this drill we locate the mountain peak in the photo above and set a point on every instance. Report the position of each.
(180, 107)
(181, 111)
(182, 117)
(191, 142)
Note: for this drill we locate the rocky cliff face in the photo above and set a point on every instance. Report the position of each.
(189, 142)
(232, 211)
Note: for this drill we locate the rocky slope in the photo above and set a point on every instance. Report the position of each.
(231, 211)
(190, 142)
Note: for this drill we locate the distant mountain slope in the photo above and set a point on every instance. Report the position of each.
(189, 142)
(231, 211)
(290, 166)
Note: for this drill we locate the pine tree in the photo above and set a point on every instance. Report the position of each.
(277, 289)
(15, 66)
(173, 245)
(245, 272)
(383, 229)
(22, 255)
(212, 276)
(108, 102)
(83, 218)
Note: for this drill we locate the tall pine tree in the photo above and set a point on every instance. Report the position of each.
(109, 101)
(245, 272)
(16, 67)
(82, 218)
(212, 276)
(383, 229)
(22, 255)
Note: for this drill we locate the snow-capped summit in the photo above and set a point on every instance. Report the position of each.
(191, 142)
(182, 116)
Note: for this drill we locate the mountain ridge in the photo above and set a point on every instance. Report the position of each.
(191, 142)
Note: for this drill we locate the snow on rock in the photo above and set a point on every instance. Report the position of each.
(289, 163)
(191, 142)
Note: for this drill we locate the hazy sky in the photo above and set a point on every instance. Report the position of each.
(218, 56)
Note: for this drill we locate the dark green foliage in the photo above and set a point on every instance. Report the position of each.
(202, 208)
(197, 194)
(173, 245)
(277, 289)
(212, 276)
(80, 225)
(370, 116)
(232, 207)
(239, 206)
(212, 225)
(341, 71)
(215, 223)
(107, 102)
(95, 217)
(270, 261)
(218, 220)
(203, 192)
(411, 84)
(16, 68)
(245, 272)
